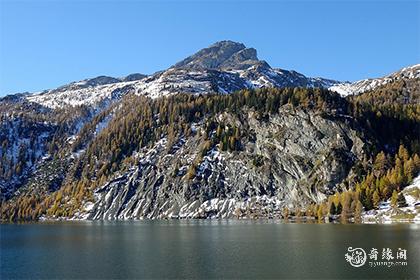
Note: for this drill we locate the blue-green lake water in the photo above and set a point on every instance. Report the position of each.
(200, 249)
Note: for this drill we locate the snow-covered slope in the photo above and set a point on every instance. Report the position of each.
(223, 67)
(91, 95)
(409, 212)
(411, 72)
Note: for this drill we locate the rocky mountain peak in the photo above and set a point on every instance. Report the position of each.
(134, 77)
(101, 80)
(221, 55)
(223, 67)
(226, 45)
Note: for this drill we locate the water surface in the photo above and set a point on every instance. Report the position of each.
(200, 249)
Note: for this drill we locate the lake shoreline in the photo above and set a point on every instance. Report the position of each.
(291, 220)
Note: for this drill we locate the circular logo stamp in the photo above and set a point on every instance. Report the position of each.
(356, 256)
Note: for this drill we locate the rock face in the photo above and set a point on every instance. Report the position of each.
(28, 131)
(134, 77)
(224, 55)
(24, 143)
(292, 158)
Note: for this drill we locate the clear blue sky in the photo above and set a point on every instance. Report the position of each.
(45, 44)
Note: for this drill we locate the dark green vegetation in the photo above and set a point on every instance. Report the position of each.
(391, 114)
(386, 177)
(388, 118)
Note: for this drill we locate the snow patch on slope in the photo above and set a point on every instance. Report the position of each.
(90, 96)
(345, 89)
(411, 212)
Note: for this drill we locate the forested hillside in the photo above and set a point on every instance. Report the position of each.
(220, 134)
(305, 150)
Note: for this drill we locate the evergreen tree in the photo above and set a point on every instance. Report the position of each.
(375, 199)
(394, 198)
(401, 202)
(403, 153)
(332, 209)
(381, 163)
(339, 208)
(358, 212)
(320, 213)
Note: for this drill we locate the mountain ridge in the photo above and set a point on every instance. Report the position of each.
(209, 138)
(223, 67)
(357, 87)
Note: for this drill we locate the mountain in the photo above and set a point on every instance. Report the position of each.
(407, 73)
(220, 134)
(223, 55)
(133, 77)
(224, 67)
(235, 58)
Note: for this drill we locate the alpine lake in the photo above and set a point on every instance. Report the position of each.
(233, 249)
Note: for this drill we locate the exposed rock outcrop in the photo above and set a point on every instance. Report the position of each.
(291, 159)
